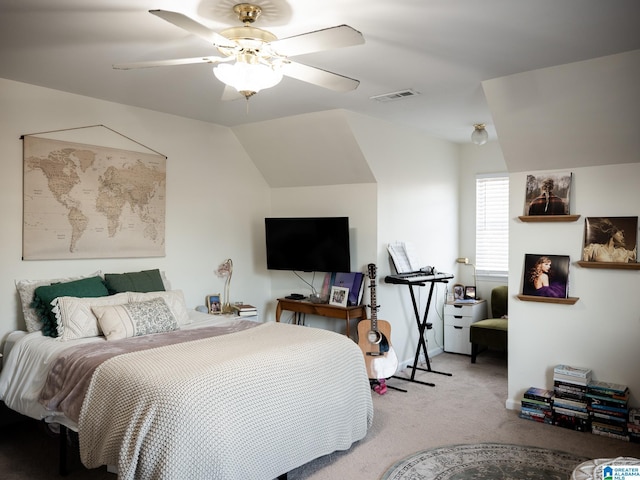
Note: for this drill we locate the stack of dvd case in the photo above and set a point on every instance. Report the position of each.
(570, 401)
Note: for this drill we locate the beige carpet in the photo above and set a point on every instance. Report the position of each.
(463, 409)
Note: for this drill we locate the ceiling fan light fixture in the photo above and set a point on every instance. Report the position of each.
(479, 136)
(248, 78)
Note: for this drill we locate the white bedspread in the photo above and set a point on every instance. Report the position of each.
(277, 396)
(26, 366)
(25, 371)
(30, 356)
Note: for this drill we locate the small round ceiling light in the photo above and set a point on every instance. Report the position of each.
(479, 136)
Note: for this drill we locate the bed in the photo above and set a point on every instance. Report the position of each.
(215, 398)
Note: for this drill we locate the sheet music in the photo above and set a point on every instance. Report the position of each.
(404, 256)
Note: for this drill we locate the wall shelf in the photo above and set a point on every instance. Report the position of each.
(611, 265)
(549, 218)
(533, 298)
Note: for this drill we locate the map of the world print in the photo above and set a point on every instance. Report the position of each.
(86, 201)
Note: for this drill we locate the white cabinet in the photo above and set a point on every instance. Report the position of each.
(457, 319)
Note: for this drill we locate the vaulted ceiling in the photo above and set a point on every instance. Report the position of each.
(442, 50)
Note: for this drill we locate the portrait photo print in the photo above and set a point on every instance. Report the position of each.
(214, 306)
(339, 296)
(546, 275)
(548, 194)
(610, 239)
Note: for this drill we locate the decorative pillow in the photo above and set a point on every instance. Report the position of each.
(44, 296)
(144, 281)
(135, 319)
(165, 280)
(74, 318)
(26, 290)
(173, 298)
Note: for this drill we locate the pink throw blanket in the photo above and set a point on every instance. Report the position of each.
(70, 374)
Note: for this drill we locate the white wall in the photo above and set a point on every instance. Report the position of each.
(415, 198)
(570, 115)
(601, 331)
(417, 201)
(355, 201)
(216, 198)
(475, 160)
(314, 149)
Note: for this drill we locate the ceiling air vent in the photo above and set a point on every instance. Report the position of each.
(390, 97)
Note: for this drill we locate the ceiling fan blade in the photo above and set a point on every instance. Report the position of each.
(326, 39)
(319, 77)
(169, 63)
(191, 26)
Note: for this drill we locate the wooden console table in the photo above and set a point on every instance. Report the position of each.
(322, 309)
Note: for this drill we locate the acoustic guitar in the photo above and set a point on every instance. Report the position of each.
(373, 338)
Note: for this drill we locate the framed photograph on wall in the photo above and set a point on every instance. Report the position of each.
(214, 305)
(610, 239)
(458, 292)
(548, 194)
(339, 296)
(546, 275)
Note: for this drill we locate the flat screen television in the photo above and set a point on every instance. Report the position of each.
(312, 244)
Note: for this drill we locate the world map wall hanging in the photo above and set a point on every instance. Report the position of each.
(88, 201)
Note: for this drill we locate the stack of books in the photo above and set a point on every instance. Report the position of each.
(536, 405)
(245, 310)
(609, 409)
(570, 400)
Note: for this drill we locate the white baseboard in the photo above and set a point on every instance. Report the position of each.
(511, 404)
(409, 363)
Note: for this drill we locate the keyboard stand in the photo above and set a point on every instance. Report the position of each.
(422, 324)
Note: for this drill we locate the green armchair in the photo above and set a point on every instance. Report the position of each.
(492, 332)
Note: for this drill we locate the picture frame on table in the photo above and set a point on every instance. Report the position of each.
(458, 292)
(339, 296)
(214, 305)
(470, 293)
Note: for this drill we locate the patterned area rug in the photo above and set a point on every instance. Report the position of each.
(485, 461)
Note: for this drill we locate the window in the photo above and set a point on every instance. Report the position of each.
(492, 225)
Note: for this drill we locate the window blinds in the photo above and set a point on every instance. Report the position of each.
(492, 225)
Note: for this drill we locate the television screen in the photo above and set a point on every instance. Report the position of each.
(319, 244)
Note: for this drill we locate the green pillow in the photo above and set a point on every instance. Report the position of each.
(44, 295)
(145, 281)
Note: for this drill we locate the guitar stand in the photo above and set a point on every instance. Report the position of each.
(423, 326)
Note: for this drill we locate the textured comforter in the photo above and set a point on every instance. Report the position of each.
(72, 370)
(249, 405)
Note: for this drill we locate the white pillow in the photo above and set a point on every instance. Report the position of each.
(135, 319)
(26, 290)
(74, 316)
(175, 301)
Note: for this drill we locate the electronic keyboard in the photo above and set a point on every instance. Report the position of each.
(417, 277)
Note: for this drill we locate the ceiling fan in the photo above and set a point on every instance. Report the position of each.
(253, 59)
